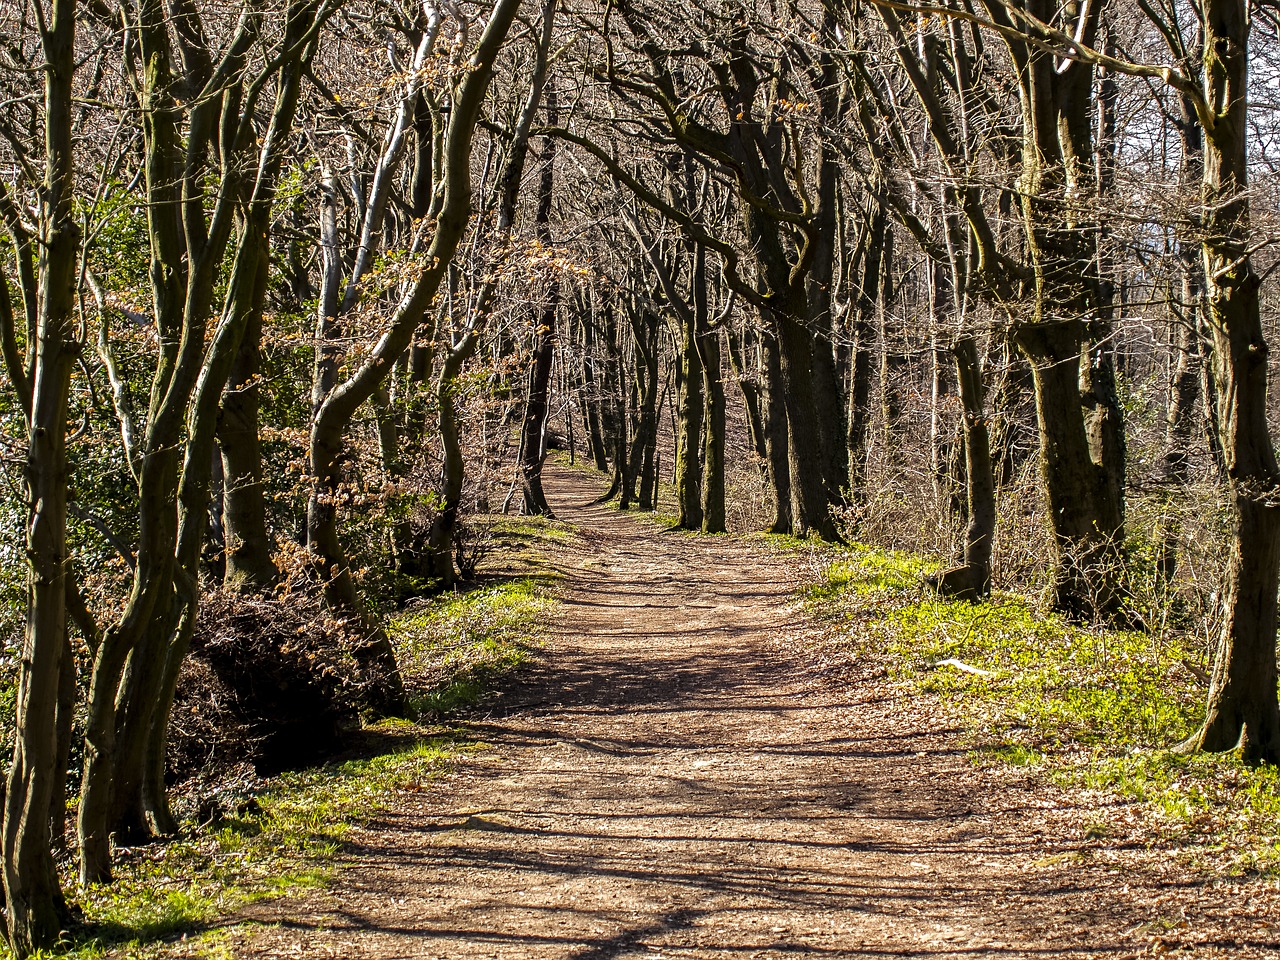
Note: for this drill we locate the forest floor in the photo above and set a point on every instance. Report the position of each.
(675, 777)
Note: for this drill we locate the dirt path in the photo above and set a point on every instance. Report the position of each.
(675, 784)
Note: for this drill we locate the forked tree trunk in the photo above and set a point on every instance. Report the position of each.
(138, 806)
(452, 211)
(1086, 497)
(444, 525)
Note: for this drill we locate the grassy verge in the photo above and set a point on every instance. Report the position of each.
(1091, 708)
(457, 648)
(287, 837)
(289, 833)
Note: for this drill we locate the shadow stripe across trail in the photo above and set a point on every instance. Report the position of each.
(677, 785)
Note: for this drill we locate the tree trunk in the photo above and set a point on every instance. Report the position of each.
(1242, 712)
(776, 435)
(690, 410)
(533, 436)
(1010, 434)
(1175, 467)
(1078, 457)
(640, 468)
(865, 311)
(748, 383)
(810, 501)
(35, 908)
(249, 564)
(1086, 553)
(713, 505)
(452, 209)
(445, 524)
(591, 401)
(972, 580)
(613, 405)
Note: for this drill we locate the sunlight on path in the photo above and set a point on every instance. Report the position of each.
(669, 783)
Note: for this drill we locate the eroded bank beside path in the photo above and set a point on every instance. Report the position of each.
(672, 779)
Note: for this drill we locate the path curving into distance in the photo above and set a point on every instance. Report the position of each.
(672, 780)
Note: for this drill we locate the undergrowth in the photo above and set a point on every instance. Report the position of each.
(1093, 708)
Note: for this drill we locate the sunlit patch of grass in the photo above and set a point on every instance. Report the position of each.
(529, 530)
(1232, 810)
(1067, 685)
(667, 521)
(457, 647)
(867, 571)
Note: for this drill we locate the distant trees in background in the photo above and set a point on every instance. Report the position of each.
(290, 291)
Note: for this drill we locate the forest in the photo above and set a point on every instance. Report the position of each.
(294, 294)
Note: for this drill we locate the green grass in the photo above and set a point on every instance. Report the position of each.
(1091, 708)
(459, 646)
(868, 572)
(529, 531)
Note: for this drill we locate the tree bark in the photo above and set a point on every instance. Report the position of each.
(713, 505)
(249, 564)
(690, 410)
(776, 435)
(1242, 711)
(35, 908)
(972, 580)
(533, 450)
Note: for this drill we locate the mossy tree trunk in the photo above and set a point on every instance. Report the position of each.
(250, 567)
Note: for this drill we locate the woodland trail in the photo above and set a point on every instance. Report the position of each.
(675, 782)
